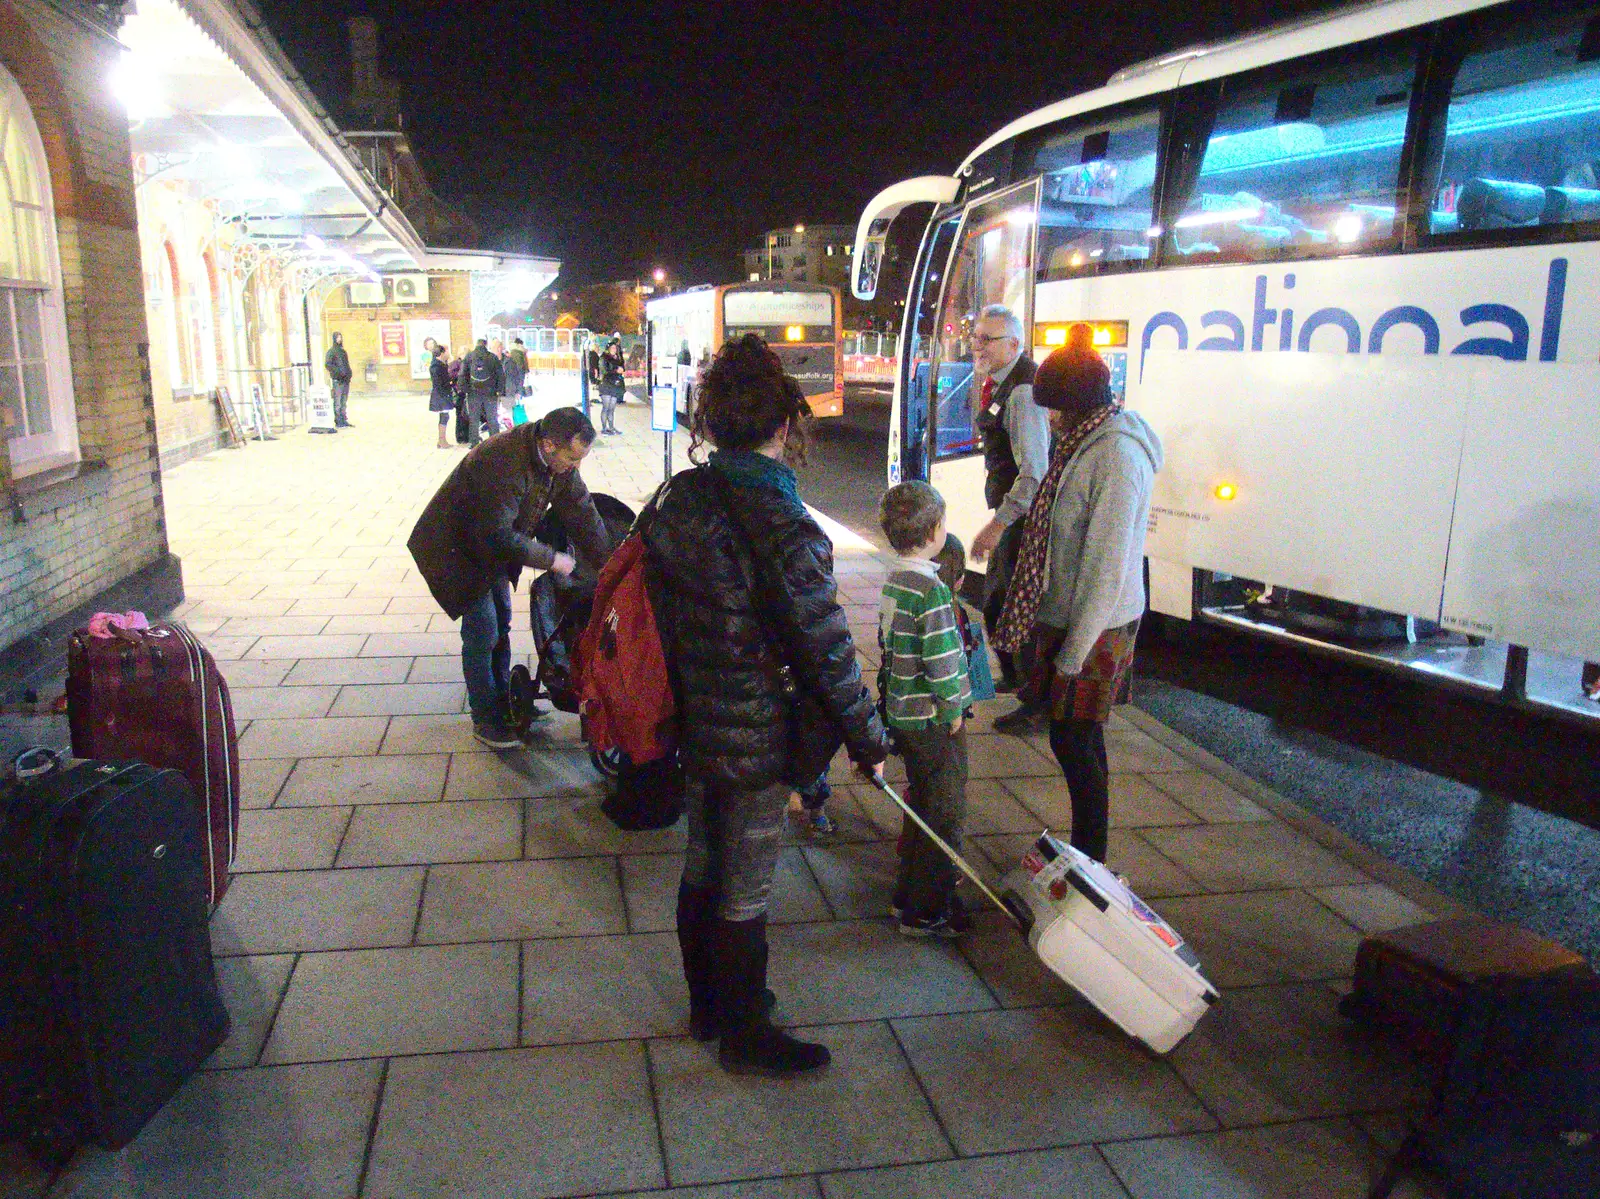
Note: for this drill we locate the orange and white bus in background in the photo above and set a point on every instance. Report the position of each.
(800, 321)
(870, 358)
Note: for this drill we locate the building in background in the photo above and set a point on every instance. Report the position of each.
(459, 298)
(83, 521)
(803, 254)
(258, 215)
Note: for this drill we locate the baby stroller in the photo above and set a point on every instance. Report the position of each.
(559, 612)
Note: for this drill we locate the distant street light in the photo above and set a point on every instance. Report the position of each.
(661, 275)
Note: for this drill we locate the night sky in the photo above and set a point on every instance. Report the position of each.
(624, 137)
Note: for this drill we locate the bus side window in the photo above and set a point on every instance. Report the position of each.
(1095, 204)
(1302, 162)
(1521, 140)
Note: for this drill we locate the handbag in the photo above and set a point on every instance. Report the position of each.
(519, 414)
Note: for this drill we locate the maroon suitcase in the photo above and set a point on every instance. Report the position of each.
(155, 696)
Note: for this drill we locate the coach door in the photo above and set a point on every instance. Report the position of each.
(992, 264)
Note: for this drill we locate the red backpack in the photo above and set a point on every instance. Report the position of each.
(624, 693)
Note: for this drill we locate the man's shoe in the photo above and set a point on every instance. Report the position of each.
(931, 926)
(759, 1048)
(496, 736)
(1025, 719)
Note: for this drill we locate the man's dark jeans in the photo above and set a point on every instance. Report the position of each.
(486, 653)
(483, 409)
(341, 398)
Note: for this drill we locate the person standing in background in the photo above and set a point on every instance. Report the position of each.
(441, 397)
(481, 380)
(337, 364)
(612, 384)
(1016, 451)
(515, 365)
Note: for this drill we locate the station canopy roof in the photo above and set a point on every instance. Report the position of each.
(214, 103)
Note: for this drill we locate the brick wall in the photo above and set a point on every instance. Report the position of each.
(449, 299)
(66, 554)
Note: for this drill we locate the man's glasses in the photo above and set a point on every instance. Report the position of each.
(982, 339)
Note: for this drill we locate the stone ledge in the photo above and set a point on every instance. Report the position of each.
(38, 495)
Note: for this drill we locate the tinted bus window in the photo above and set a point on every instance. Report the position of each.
(1095, 207)
(1521, 139)
(1302, 163)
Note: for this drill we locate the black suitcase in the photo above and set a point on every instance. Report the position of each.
(108, 997)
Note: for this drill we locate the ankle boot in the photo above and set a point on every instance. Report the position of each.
(750, 1043)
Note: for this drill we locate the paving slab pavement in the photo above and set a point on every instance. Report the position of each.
(451, 976)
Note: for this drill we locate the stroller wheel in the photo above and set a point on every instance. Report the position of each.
(607, 763)
(522, 691)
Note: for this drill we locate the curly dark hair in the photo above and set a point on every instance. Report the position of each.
(744, 398)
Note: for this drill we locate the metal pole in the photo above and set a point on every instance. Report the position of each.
(583, 372)
(305, 316)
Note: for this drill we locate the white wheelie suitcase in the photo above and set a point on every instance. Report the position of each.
(1106, 943)
(1098, 937)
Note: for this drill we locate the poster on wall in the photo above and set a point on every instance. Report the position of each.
(419, 332)
(392, 341)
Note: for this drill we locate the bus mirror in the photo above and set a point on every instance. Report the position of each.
(873, 230)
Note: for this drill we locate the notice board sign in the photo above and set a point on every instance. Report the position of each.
(319, 406)
(392, 341)
(664, 408)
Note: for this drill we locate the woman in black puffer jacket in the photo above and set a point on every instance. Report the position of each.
(767, 686)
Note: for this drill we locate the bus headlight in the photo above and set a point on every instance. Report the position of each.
(795, 333)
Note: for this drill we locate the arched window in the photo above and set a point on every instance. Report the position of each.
(182, 367)
(36, 408)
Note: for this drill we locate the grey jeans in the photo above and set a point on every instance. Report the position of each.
(734, 841)
(936, 789)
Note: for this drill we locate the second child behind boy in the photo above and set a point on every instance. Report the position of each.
(924, 690)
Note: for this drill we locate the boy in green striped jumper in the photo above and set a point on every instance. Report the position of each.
(923, 687)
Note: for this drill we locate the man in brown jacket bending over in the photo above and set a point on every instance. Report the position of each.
(475, 537)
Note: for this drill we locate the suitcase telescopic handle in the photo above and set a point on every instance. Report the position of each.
(961, 863)
(35, 763)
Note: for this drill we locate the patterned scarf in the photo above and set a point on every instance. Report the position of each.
(1025, 594)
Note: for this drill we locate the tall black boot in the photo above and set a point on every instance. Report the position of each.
(697, 910)
(750, 1043)
(697, 927)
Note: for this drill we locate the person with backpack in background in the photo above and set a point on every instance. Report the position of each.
(476, 535)
(481, 380)
(515, 366)
(337, 364)
(766, 686)
(613, 383)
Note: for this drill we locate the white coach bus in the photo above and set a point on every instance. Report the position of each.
(1348, 269)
